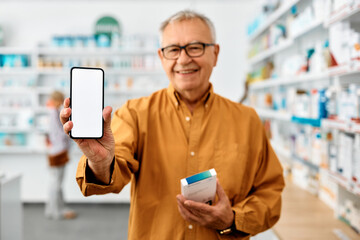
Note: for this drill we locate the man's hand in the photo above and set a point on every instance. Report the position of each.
(219, 216)
(100, 152)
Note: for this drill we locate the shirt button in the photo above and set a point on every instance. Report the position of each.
(190, 226)
(187, 118)
(192, 153)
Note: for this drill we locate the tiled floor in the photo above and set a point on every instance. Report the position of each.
(94, 221)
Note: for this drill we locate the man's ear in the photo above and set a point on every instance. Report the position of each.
(216, 52)
(160, 54)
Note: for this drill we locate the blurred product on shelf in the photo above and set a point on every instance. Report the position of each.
(328, 189)
(333, 102)
(316, 61)
(17, 82)
(93, 41)
(12, 139)
(14, 61)
(148, 62)
(344, 40)
(305, 177)
(262, 73)
(350, 214)
(15, 101)
(328, 56)
(267, 8)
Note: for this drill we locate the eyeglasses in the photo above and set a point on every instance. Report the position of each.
(196, 49)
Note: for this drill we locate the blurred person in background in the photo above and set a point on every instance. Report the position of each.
(58, 157)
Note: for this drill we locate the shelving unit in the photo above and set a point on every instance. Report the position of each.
(269, 52)
(37, 82)
(350, 127)
(285, 44)
(338, 71)
(352, 187)
(273, 82)
(24, 91)
(345, 12)
(306, 162)
(272, 18)
(268, 113)
(310, 128)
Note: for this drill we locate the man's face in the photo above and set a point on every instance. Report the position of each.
(185, 73)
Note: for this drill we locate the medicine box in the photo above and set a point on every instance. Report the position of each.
(200, 187)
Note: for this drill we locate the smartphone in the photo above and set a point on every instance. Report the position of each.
(87, 102)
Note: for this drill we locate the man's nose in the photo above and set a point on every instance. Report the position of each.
(183, 57)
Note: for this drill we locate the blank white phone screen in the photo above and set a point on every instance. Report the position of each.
(87, 102)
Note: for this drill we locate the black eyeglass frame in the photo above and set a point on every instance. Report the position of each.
(184, 47)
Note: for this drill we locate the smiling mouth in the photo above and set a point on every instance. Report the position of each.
(187, 71)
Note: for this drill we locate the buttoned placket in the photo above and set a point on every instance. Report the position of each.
(193, 129)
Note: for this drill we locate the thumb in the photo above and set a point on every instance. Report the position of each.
(107, 116)
(220, 191)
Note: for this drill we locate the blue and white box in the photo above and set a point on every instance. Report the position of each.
(200, 187)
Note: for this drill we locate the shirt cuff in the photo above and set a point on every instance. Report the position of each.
(90, 176)
(235, 233)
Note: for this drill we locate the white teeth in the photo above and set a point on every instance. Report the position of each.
(184, 72)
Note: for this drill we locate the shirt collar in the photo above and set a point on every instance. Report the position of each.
(175, 97)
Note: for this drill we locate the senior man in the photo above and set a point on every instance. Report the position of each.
(176, 132)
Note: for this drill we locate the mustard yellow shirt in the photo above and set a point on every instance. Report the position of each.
(159, 142)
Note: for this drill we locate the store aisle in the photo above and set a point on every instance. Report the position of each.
(306, 217)
(95, 221)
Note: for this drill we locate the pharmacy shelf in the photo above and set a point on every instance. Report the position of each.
(337, 71)
(269, 113)
(350, 186)
(108, 71)
(289, 80)
(285, 44)
(132, 91)
(271, 51)
(14, 110)
(16, 90)
(49, 90)
(134, 72)
(342, 75)
(28, 71)
(343, 13)
(142, 92)
(312, 26)
(286, 6)
(21, 71)
(306, 121)
(20, 150)
(110, 52)
(16, 50)
(15, 130)
(350, 68)
(346, 126)
(279, 149)
(305, 162)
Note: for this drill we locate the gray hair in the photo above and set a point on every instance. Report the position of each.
(188, 15)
